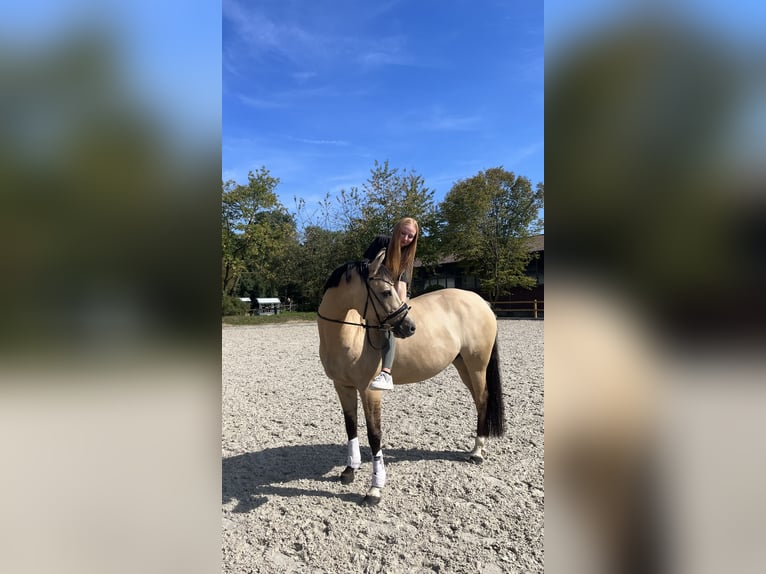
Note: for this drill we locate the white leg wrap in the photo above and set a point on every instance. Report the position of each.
(354, 458)
(478, 447)
(378, 471)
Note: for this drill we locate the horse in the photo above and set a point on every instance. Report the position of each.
(453, 327)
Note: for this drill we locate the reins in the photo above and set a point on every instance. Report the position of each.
(363, 325)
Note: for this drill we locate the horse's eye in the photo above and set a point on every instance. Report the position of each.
(387, 293)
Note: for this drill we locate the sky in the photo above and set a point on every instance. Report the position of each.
(318, 91)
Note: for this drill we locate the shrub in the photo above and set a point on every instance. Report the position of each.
(233, 306)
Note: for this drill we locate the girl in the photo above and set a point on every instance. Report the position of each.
(400, 257)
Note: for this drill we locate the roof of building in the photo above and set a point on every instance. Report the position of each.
(537, 243)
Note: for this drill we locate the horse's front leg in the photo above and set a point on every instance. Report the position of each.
(348, 403)
(371, 403)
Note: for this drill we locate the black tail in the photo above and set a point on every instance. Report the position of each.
(495, 421)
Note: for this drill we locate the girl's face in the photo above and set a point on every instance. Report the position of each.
(407, 234)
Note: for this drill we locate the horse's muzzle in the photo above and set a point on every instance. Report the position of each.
(399, 323)
(406, 328)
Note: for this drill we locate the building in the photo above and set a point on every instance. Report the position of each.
(451, 272)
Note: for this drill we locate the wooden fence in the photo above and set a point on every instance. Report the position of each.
(534, 308)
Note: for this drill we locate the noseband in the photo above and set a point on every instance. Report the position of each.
(387, 323)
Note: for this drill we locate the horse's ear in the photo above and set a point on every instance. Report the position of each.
(377, 262)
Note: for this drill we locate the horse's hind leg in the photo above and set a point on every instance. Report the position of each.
(348, 403)
(476, 382)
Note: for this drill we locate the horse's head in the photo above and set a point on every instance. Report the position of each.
(389, 308)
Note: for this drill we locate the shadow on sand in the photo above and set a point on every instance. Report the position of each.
(249, 479)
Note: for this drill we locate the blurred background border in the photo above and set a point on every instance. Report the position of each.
(655, 272)
(110, 173)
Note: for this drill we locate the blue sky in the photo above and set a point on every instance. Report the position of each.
(316, 91)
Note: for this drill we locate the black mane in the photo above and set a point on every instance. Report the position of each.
(347, 268)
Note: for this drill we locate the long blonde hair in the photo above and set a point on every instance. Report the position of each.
(398, 259)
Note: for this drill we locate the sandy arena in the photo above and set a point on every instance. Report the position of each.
(284, 446)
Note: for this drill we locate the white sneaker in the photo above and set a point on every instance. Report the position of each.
(383, 382)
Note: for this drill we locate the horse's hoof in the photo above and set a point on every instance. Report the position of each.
(370, 500)
(476, 459)
(347, 476)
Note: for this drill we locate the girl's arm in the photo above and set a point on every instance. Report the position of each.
(380, 242)
(401, 288)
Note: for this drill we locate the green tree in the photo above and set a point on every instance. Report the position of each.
(359, 214)
(343, 225)
(267, 259)
(487, 220)
(388, 195)
(319, 253)
(257, 233)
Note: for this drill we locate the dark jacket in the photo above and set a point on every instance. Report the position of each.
(381, 242)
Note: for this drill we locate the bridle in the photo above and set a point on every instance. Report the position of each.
(387, 323)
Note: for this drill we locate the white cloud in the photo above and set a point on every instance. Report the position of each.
(303, 76)
(322, 142)
(261, 103)
(438, 120)
(528, 151)
(306, 42)
(262, 34)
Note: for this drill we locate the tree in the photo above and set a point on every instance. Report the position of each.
(316, 257)
(359, 214)
(487, 220)
(387, 196)
(267, 258)
(257, 232)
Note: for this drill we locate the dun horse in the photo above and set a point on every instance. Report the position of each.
(453, 326)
